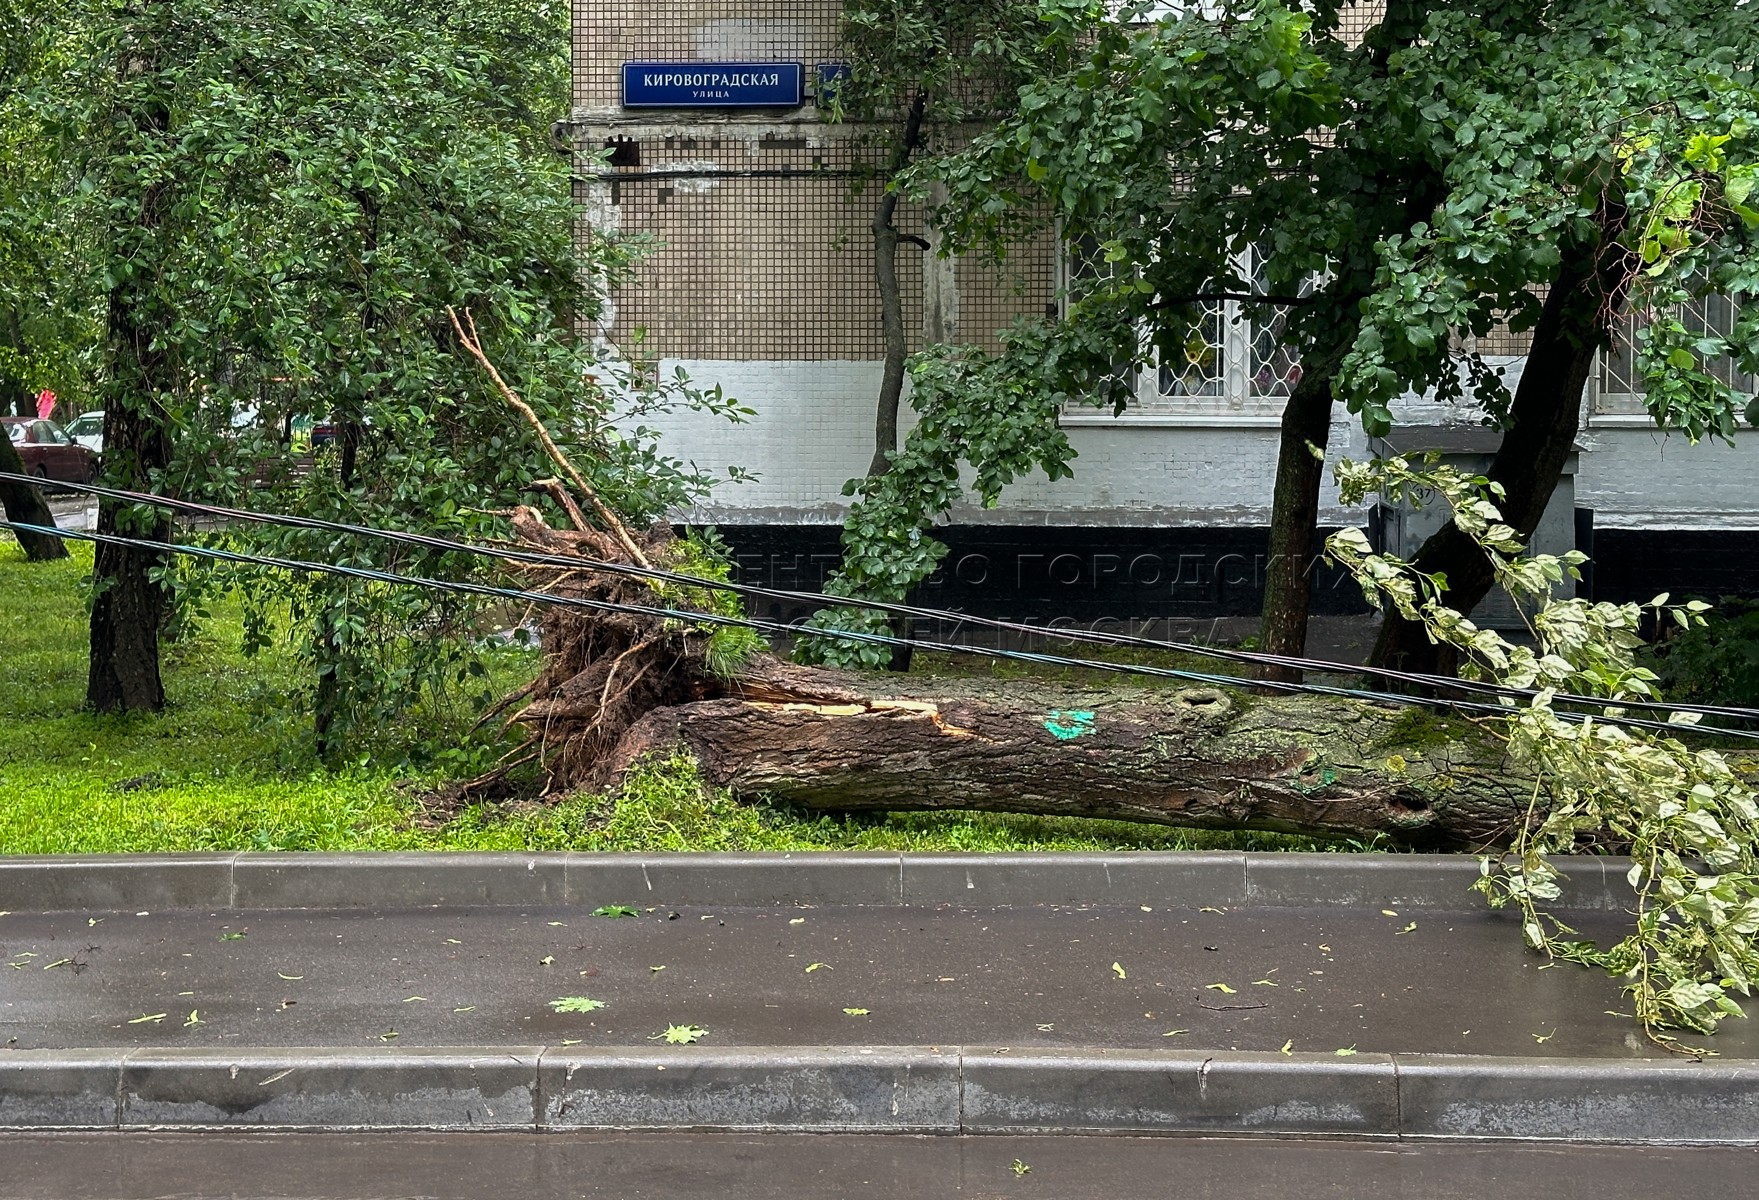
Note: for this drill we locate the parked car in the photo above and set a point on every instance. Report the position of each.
(48, 452)
(88, 430)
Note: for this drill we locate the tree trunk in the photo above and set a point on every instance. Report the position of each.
(1294, 516)
(1574, 324)
(128, 606)
(885, 261)
(25, 505)
(1191, 757)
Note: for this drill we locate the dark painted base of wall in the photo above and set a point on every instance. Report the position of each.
(1638, 564)
(1066, 574)
(1116, 576)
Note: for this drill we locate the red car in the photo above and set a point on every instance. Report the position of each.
(48, 452)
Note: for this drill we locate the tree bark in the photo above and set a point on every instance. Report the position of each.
(885, 261)
(1294, 516)
(1574, 324)
(1192, 757)
(128, 606)
(25, 504)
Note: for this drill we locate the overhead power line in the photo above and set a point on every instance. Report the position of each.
(892, 608)
(549, 599)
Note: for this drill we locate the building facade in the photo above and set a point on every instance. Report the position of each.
(761, 281)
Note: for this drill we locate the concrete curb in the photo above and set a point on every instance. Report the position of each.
(246, 880)
(885, 1089)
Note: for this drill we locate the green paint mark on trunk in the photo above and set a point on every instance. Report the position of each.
(1067, 725)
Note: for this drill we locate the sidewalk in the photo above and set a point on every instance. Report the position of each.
(1126, 1016)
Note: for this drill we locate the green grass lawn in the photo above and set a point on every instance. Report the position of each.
(229, 766)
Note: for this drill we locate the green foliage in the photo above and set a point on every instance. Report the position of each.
(1716, 662)
(1379, 200)
(968, 411)
(963, 55)
(327, 178)
(1689, 820)
(47, 337)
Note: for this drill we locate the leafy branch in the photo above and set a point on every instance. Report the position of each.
(1689, 821)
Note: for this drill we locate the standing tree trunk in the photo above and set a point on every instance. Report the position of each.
(1294, 514)
(1574, 324)
(25, 505)
(128, 604)
(886, 239)
(885, 261)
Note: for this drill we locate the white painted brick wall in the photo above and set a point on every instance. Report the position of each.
(814, 430)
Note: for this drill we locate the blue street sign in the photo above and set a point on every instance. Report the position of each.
(713, 84)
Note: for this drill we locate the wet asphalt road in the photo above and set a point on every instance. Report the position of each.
(208, 1166)
(1253, 979)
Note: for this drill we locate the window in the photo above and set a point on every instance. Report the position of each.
(1232, 367)
(1618, 382)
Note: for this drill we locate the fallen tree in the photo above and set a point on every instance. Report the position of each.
(618, 687)
(1194, 757)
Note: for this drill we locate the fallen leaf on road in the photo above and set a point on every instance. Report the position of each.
(194, 1019)
(615, 910)
(811, 967)
(856, 1012)
(1411, 928)
(576, 1004)
(546, 960)
(1120, 970)
(1223, 988)
(1345, 1052)
(680, 1035)
(388, 1035)
(1289, 1046)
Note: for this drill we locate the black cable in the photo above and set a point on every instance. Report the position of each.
(478, 589)
(577, 562)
